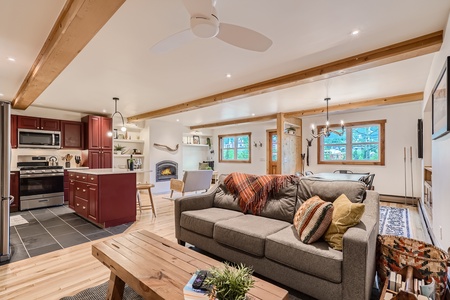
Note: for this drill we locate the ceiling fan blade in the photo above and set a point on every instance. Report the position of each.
(199, 7)
(174, 41)
(243, 37)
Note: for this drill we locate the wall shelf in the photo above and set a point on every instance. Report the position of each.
(128, 155)
(194, 145)
(128, 141)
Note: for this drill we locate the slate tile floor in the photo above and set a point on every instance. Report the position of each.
(53, 228)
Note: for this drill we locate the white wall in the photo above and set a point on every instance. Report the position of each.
(164, 133)
(49, 113)
(258, 164)
(401, 131)
(440, 155)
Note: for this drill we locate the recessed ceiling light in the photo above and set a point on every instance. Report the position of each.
(253, 115)
(11, 59)
(178, 120)
(1, 95)
(228, 75)
(104, 110)
(355, 32)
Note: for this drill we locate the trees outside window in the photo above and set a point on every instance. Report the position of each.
(235, 147)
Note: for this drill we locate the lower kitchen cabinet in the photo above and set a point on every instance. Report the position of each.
(14, 190)
(104, 198)
(98, 159)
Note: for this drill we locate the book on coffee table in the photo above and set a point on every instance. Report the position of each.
(193, 294)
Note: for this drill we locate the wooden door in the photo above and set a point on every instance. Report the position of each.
(272, 152)
(72, 135)
(26, 122)
(105, 138)
(50, 124)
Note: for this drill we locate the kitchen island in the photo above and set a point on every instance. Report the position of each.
(105, 197)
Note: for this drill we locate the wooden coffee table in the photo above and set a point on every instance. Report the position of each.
(159, 269)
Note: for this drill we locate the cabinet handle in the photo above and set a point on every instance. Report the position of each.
(84, 190)
(84, 177)
(78, 188)
(78, 204)
(92, 178)
(84, 207)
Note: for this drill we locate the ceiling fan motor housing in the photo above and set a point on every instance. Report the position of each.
(205, 27)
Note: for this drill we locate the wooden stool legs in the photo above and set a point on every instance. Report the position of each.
(138, 198)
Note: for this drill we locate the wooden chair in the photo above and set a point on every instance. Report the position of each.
(145, 186)
(193, 181)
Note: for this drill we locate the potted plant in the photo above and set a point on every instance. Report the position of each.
(118, 149)
(230, 282)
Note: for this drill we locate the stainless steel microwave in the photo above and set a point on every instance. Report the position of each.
(30, 138)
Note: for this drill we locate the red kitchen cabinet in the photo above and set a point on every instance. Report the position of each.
(14, 190)
(98, 141)
(72, 135)
(14, 131)
(107, 199)
(27, 122)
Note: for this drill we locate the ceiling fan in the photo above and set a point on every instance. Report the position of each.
(206, 24)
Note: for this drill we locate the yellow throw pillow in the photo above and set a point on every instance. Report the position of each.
(345, 215)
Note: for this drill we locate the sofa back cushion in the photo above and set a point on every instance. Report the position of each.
(223, 198)
(280, 206)
(330, 190)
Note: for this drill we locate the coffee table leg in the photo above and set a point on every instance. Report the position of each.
(115, 287)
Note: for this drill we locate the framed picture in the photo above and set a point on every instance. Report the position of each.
(440, 104)
(196, 140)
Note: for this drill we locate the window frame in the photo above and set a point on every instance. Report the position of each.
(235, 135)
(348, 127)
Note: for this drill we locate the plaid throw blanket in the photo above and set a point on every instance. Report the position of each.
(252, 191)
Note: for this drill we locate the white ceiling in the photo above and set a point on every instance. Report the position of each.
(117, 62)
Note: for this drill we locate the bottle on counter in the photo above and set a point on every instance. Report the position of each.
(131, 163)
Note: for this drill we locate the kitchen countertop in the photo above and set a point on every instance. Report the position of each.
(108, 171)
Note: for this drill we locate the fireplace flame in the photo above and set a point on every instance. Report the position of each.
(166, 172)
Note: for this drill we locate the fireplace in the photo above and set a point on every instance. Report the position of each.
(166, 170)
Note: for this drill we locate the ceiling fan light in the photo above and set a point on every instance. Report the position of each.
(205, 27)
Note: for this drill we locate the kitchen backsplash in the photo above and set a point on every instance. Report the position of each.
(22, 154)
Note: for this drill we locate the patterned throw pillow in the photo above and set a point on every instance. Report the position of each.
(345, 215)
(312, 219)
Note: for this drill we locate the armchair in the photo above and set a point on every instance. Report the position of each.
(192, 181)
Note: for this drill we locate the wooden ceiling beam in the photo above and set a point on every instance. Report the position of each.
(315, 111)
(78, 22)
(237, 121)
(400, 51)
(356, 105)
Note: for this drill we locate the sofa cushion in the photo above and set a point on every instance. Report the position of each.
(345, 215)
(202, 221)
(224, 199)
(247, 233)
(312, 219)
(329, 190)
(281, 205)
(316, 259)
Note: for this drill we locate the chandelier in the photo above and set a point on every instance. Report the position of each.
(326, 131)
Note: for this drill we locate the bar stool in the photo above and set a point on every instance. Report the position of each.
(145, 186)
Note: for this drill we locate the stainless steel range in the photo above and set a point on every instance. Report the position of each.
(41, 185)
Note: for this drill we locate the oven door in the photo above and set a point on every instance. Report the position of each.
(41, 190)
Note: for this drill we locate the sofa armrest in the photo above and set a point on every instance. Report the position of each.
(193, 202)
(359, 252)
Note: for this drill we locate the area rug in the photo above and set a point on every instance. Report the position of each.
(395, 221)
(17, 220)
(99, 293)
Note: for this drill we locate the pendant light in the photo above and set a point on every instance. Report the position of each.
(123, 128)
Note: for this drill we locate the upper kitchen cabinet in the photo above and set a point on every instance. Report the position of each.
(98, 132)
(72, 135)
(13, 131)
(26, 122)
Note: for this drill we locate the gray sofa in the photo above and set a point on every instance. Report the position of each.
(268, 242)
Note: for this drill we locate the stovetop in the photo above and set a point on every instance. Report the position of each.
(40, 167)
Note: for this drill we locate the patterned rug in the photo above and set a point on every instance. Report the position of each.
(395, 221)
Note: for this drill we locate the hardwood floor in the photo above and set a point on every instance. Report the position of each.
(68, 271)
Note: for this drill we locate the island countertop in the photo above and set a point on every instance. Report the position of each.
(109, 171)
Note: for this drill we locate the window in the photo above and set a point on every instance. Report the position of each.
(235, 147)
(361, 144)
